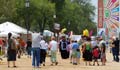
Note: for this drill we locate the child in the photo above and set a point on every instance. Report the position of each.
(96, 54)
(75, 53)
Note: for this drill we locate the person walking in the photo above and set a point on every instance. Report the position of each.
(29, 47)
(11, 51)
(116, 50)
(43, 51)
(53, 47)
(75, 53)
(36, 38)
(69, 48)
(87, 51)
(19, 50)
(63, 48)
(22, 46)
(111, 44)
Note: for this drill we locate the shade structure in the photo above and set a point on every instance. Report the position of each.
(11, 27)
(48, 33)
(5, 34)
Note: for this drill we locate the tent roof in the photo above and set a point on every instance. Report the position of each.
(47, 33)
(5, 34)
(11, 27)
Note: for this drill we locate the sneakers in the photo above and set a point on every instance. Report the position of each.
(43, 64)
(97, 64)
(8, 66)
(19, 57)
(94, 64)
(51, 64)
(56, 63)
(70, 62)
(74, 63)
(38, 67)
(14, 66)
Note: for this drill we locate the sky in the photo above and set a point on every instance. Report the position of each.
(95, 3)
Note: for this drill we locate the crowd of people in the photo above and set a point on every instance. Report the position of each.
(91, 50)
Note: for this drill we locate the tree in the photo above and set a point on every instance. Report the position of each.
(40, 14)
(44, 13)
(78, 13)
(7, 10)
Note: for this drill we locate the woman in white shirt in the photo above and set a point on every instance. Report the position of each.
(43, 51)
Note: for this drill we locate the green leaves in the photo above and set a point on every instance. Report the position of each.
(7, 10)
(75, 15)
(79, 13)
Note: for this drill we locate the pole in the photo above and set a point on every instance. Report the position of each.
(27, 17)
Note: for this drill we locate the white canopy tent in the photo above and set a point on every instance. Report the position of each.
(48, 33)
(76, 37)
(11, 27)
(5, 34)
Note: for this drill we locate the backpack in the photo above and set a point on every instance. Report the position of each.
(88, 47)
(63, 45)
(96, 52)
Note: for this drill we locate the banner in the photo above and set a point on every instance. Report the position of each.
(57, 26)
(112, 17)
(100, 13)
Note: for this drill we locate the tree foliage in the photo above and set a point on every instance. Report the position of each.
(7, 10)
(74, 15)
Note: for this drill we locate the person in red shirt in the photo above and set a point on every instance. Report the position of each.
(96, 54)
(1, 46)
(22, 45)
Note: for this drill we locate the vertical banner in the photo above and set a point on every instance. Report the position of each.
(112, 17)
(100, 13)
